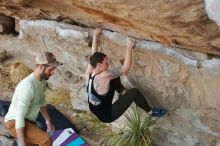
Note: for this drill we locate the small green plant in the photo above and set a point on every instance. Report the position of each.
(136, 131)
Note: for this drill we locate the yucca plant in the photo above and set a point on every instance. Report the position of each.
(136, 131)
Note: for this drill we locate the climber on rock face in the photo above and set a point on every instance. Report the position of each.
(103, 82)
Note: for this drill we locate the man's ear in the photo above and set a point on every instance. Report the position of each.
(40, 66)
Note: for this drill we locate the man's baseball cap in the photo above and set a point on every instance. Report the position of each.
(46, 57)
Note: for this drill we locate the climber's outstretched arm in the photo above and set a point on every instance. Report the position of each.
(96, 35)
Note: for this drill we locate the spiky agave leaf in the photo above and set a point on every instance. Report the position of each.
(136, 132)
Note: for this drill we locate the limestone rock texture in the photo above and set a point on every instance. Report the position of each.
(175, 59)
(184, 82)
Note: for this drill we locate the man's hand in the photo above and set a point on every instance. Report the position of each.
(96, 33)
(21, 143)
(49, 123)
(50, 126)
(21, 137)
(130, 42)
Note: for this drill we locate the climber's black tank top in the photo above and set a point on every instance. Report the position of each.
(100, 105)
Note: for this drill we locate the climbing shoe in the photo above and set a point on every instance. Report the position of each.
(158, 112)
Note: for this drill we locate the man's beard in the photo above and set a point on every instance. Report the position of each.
(44, 75)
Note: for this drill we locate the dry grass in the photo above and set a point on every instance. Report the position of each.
(19, 71)
(5, 81)
(58, 96)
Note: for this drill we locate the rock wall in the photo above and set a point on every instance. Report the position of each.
(189, 24)
(184, 82)
(212, 9)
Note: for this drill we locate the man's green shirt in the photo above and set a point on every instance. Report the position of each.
(28, 97)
